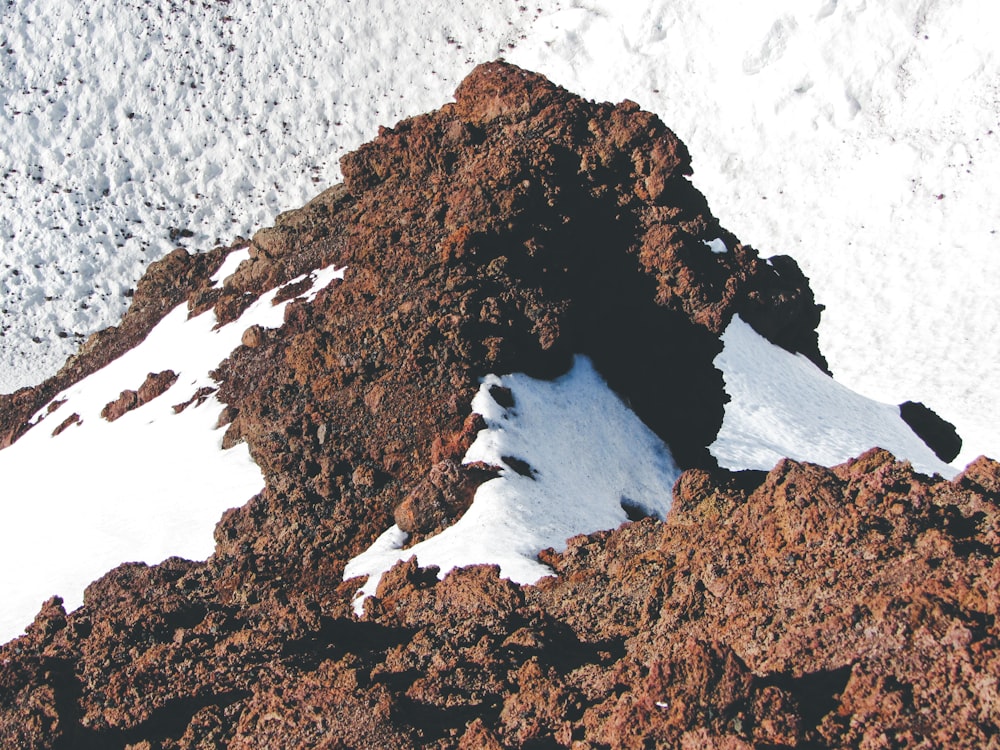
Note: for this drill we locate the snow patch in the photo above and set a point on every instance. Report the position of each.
(590, 458)
(229, 266)
(717, 246)
(783, 405)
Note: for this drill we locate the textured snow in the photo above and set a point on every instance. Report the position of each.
(782, 405)
(127, 124)
(589, 458)
(862, 138)
(148, 486)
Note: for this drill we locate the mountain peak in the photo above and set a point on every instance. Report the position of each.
(514, 342)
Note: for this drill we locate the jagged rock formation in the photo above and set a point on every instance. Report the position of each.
(506, 232)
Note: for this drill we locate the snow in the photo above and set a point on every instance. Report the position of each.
(229, 266)
(588, 454)
(127, 124)
(717, 246)
(150, 485)
(782, 405)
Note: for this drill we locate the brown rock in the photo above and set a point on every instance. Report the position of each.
(197, 398)
(126, 402)
(72, 419)
(442, 496)
(253, 336)
(982, 474)
(155, 384)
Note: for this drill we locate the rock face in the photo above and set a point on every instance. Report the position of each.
(852, 606)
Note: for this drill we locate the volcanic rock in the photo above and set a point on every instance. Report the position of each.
(154, 384)
(442, 497)
(852, 606)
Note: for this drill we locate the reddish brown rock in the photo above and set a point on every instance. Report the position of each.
(155, 384)
(71, 420)
(197, 398)
(253, 336)
(126, 402)
(441, 497)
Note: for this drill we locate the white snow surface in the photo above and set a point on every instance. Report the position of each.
(148, 486)
(860, 137)
(229, 266)
(588, 455)
(782, 405)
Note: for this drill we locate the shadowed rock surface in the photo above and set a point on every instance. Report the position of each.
(852, 606)
(940, 435)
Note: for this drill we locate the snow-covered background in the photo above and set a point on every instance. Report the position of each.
(863, 138)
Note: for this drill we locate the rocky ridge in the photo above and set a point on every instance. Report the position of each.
(852, 606)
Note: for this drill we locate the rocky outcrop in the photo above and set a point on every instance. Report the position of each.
(845, 607)
(155, 384)
(505, 232)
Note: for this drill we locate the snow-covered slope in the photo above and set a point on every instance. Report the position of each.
(150, 485)
(783, 406)
(862, 138)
